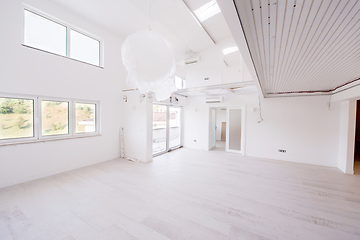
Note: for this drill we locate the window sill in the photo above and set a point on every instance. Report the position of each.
(49, 139)
(61, 56)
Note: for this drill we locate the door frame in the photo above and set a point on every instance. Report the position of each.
(168, 149)
(210, 146)
(243, 126)
(243, 129)
(181, 128)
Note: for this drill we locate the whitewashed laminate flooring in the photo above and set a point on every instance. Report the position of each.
(185, 194)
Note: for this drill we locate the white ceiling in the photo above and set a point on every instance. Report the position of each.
(302, 45)
(172, 18)
(216, 26)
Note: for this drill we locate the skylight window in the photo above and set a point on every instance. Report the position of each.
(230, 50)
(207, 11)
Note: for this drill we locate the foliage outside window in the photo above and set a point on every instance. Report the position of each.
(16, 118)
(31, 119)
(55, 118)
(85, 117)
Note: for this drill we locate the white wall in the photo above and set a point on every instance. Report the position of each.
(303, 126)
(347, 136)
(209, 66)
(235, 72)
(28, 71)
(137, 123)
(212, 66)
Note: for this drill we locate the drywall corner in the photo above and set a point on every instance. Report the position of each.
(347, 136)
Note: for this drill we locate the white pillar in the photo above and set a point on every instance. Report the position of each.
(347, 136)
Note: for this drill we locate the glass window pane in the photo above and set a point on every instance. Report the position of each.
(85, 117)
(44, 34)
(178, 82)
(159, 128)
(55, 118)
(175, 127)
(84, 48)
(16, 118)
(235, 129)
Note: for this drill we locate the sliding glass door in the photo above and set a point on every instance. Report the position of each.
(166, 128)
(174, 127)
(159, 129)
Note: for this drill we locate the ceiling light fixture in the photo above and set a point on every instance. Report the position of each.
(230, 50)
(207, 11)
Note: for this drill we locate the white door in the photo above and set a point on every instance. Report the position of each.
(212, 128)
(235, 130)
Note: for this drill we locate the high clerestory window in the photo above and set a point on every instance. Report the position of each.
(46, 33)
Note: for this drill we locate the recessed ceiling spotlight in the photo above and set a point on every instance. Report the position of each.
(230, 50)
(207, 11)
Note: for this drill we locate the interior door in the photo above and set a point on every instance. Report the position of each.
(212, 129)
(223, 131)
(235, 129)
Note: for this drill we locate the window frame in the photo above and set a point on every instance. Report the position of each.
(37, 120)
(182, 82)
(97, 113)
(69, 27)
(35, 133)
(40, 99)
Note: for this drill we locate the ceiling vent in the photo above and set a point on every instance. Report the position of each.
(214, 100)
(192, 60)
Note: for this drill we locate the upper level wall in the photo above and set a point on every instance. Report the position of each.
(213, 65)
(33, 72)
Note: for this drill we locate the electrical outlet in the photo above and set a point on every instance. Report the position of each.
(282, 150)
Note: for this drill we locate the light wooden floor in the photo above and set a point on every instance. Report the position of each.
(186, 194)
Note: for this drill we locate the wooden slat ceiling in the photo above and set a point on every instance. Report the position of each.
(302, 45)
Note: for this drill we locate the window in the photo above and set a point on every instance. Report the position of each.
(43, 32)
(179, 83)
(54, 118)
(230, 50)
(31, 119)
(85, 117)
(84, 48)
(207, 11)
(16, 118)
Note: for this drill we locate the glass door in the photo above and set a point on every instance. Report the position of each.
(235, 137)
(160, 116)
(212, 126)
(166, 128)
(174, 127)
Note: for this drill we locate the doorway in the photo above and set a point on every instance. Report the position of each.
(226, 129)
(167, 128)
(357, 140)
(217, 128)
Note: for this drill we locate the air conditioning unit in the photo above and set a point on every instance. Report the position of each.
(192, 60)
(214, 100)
